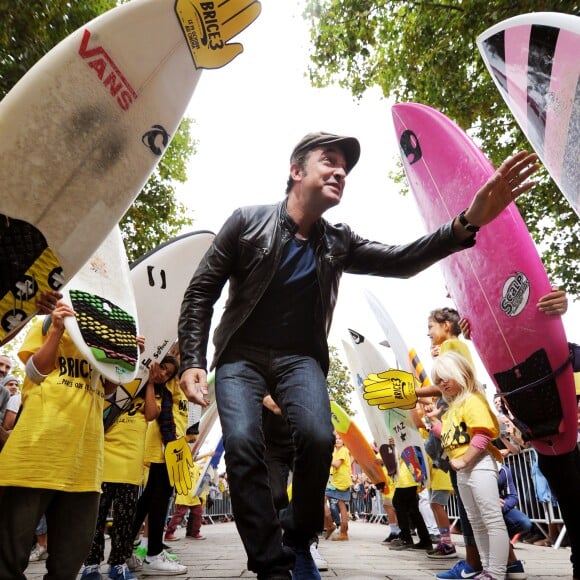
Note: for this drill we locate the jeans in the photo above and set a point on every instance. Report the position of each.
(298, 385)
(334, 511)
(517, 522)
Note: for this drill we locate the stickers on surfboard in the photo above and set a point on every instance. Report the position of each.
(533, 60)
(27, 267)
(373, 415)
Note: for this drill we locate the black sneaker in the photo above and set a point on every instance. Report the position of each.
(390, 538)
(400, 545)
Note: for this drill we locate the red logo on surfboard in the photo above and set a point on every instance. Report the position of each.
(108, 72)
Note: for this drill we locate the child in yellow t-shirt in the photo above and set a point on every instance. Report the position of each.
(52, 462)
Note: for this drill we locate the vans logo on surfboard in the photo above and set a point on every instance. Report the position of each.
(108, 72)
(515, 294)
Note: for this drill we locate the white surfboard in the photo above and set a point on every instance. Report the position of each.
(408, 441)
(159, 280)
(86, 126)
(374, 416)
(533, 60)
(105, 326)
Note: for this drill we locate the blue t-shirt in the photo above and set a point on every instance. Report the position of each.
(284, 317)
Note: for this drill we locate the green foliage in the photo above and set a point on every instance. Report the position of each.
(340, 387)
(28, 30)
(426, 52)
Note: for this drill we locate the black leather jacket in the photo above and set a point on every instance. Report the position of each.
(246, 252)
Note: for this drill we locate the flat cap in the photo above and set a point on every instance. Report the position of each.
(348, 145)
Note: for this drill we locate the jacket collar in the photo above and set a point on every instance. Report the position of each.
(289, 224)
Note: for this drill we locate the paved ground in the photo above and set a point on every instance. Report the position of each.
(363, 557)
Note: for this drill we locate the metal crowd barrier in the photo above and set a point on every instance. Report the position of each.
(219, 509)
(540, 513)
(371, 508)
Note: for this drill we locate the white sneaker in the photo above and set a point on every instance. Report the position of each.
(38, 553)
(163, 565)
(321, 563)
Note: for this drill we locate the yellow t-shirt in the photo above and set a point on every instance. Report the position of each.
(460, 421)
(458, 346)
(404, 476)
(340, 476)
(439, 480)
(153, 441)
(125, 446)
(391, 488)
(58, 440)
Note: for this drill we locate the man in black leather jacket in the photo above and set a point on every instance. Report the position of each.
(283, 263)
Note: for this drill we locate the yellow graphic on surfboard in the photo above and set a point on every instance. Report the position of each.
(208, 26)
(25, 273)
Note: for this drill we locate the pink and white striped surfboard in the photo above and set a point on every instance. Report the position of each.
(534, 59)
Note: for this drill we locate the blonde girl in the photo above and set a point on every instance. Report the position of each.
(467, 431)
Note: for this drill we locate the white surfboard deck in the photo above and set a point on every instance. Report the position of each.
(87, 125)
(105, 327)
(373, 415)
(533, 60)
(159, 280)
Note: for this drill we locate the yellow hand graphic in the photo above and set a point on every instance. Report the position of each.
(208, 26)
(391, 389)
(179, 462)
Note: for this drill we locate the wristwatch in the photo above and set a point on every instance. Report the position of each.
(466, 225)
